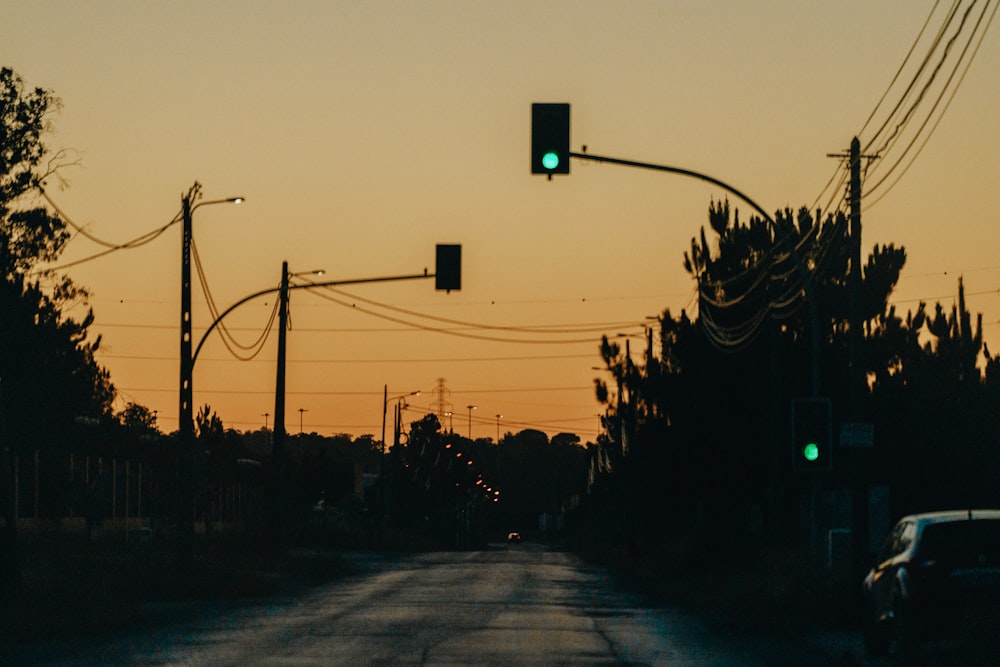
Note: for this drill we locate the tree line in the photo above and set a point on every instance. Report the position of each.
(699, 426)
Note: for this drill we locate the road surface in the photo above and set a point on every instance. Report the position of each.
(509, 605)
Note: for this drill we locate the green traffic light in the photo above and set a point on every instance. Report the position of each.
(810, 452)
(550, 160)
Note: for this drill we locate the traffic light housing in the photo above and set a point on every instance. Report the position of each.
(549, 138)
(448, 267)
(812, 435)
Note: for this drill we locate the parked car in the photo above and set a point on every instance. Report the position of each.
(938, 574)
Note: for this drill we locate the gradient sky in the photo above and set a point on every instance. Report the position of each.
(363, 133)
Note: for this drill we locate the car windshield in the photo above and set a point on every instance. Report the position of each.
(962, 541)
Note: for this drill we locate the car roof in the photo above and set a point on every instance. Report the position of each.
(926, 518)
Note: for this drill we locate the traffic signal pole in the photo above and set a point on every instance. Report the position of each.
(550, 155)
(447, 275)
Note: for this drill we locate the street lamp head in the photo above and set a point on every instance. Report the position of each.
(227, 200)
(314, 272)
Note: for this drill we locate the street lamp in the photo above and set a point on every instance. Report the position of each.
(499, 417)
(301, 410)
(186, 403)
(470, 408)
(278, 433)
(188, 207)
(385, 408)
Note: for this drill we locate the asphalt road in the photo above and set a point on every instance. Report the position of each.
(518, 604)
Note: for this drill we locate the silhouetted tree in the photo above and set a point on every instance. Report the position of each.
(138, 418)
(47, 365)
(700, 432)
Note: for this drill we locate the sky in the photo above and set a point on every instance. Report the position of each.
(363, 133)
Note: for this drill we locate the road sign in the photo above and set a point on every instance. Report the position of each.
(857, 434)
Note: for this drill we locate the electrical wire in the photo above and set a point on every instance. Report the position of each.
(944, 89)
(913, 82)
(940, 116)
(547, 329)
(137, 242)
(899, 71)
(227, 338)
(906, 106)
(450, 332)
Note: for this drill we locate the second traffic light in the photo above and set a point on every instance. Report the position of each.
(448, 267)
(549, 138)
(812, 435)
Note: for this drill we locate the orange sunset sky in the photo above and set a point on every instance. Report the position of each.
(363, 133)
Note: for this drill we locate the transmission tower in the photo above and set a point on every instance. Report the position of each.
(442, 406)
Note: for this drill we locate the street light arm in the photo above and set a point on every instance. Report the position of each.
(227, 200)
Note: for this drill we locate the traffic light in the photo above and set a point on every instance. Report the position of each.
(549, 139)
(448, 267)
(812, 440)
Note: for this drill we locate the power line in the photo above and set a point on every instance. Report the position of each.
(902, 66)
(607, 326)
(913, 82)
(940, 116)
(429, 360)
(452, 332)
(270, 392)
(891, 140)
(253, 349)
(137, 242)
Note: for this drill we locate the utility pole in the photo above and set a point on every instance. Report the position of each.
(185, 490)
(186, 409)
(854, 279)
(278, 435)
(856, 376)
(859, 481)
(184, 502)
(470, 408)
